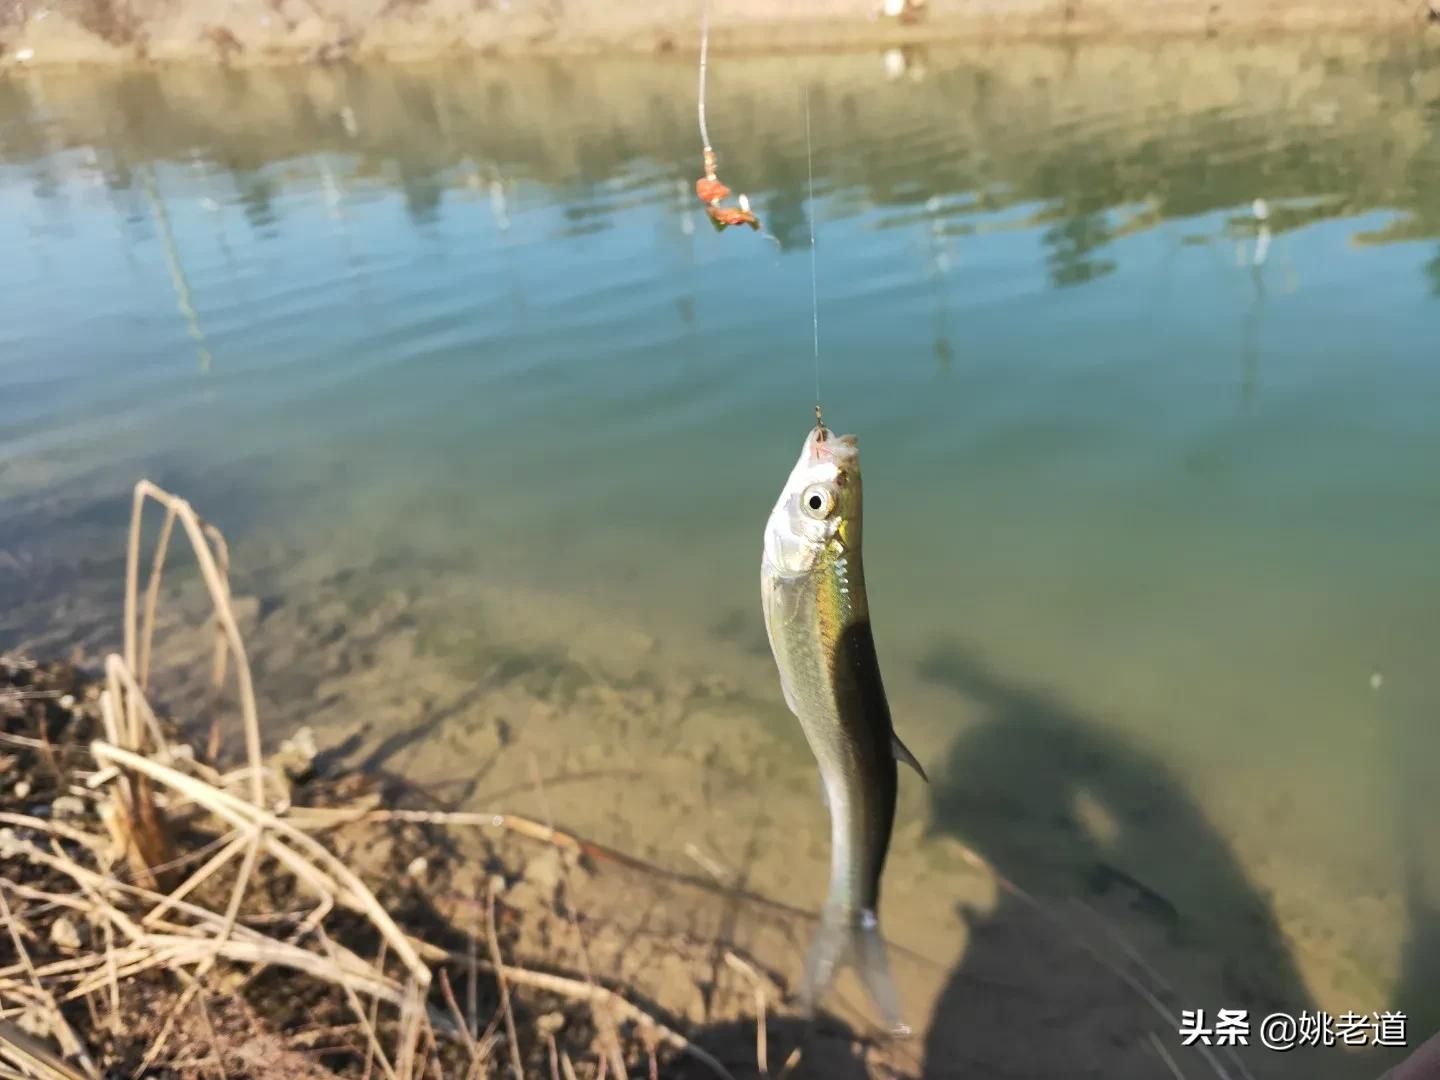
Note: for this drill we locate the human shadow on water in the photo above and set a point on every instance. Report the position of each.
(1417, 991)
(1417, 988)
(1112, 876)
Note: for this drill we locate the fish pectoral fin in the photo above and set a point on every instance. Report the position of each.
(902, 753)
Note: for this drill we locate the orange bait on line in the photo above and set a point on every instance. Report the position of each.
(712, 192)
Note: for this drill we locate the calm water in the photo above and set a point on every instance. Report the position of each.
(1141, 346)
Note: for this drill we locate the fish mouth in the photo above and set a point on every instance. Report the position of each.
(824, 445)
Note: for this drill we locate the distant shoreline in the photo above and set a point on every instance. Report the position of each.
(260, 32)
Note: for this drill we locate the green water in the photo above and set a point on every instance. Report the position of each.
(1140, 342)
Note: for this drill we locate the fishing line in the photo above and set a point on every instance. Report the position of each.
(814, 278)
(704, 63)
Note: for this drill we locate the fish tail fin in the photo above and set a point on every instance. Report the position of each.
(852, 938)
(868, 955)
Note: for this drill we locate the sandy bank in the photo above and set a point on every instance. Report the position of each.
(48, 32)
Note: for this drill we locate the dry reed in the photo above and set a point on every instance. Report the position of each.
(125, 883)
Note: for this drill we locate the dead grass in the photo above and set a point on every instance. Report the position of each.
(158, 901)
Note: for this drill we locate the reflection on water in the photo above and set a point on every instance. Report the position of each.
(177, 273)
(1140, 342)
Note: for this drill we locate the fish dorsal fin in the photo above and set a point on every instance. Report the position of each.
(902, 753)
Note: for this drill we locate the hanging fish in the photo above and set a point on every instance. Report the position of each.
(817, 616)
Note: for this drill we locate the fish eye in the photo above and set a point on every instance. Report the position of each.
(818, 500)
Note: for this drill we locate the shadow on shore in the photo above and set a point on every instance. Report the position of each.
(1122, 906)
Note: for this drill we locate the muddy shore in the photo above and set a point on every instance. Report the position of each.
(250, 32)
(455, 892)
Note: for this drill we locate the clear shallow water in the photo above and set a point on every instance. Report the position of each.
(1152, 504)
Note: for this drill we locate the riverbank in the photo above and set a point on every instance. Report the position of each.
(149, 937)
(177, 906)
(250, 32)
(131, 952)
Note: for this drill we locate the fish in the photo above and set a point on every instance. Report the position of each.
(817, 617)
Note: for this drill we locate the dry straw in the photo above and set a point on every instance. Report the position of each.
(127, 884)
